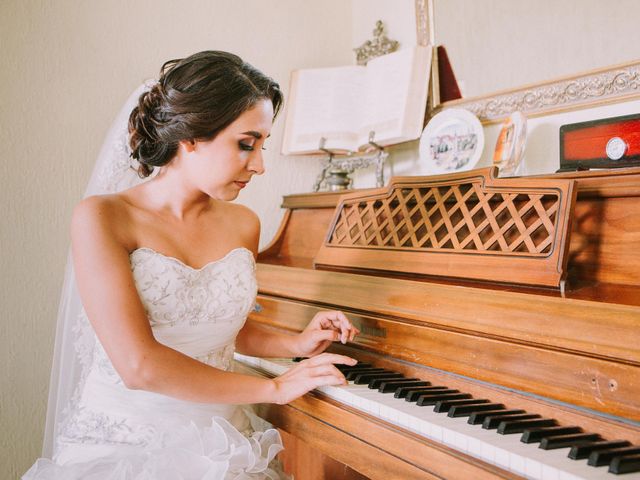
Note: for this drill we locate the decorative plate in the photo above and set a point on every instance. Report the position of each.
(452, 141)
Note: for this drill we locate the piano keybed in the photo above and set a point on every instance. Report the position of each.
(518, 441)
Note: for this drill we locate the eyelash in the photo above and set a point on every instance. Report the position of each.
(247, 148)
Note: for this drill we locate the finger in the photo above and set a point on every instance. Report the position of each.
(326, 335)
(330, 358)
(329, 380)
(329, 319)
(336, 320)
(345, 326)
(354, 331)
(321, 319)
(322, 370)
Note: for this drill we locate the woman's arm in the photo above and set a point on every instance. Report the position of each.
(108, 293)
(325, 327)
(260, 342)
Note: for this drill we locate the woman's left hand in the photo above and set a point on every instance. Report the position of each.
(324, 328)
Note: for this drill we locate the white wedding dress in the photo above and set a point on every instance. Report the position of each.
(112, 432)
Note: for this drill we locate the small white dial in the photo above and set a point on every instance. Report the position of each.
(616, 148)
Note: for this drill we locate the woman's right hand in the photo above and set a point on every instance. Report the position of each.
(308, 374)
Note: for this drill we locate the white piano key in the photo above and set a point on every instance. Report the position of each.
(474, 447)
(505, 451)
(516, 464)
(550, 473)
(532, 468)
(502, 458)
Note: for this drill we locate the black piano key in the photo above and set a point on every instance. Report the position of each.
(358, 366)
(625, 464)
(478, 417)
(352, 374)
(492, 422)
(375, 383)
(393, 385)
(562, 441)
(365, 378)
(412, 396)
(467, 410)
(604, 457)
(355, 371)
(534, 435)
(444, 406)
(579, 452)
(508, 427)
(401, 392)
(298, 359)
(432, 399)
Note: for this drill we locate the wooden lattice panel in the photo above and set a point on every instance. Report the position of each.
(470, 225)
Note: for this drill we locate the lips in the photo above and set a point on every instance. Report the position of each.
(241, 184)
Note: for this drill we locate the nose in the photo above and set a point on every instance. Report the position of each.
(256, 164)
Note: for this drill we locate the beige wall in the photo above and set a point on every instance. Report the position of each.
(67, 68)
(499, 44)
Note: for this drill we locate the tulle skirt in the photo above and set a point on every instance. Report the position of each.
(187, 452)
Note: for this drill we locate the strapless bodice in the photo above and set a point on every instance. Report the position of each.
(196, 311)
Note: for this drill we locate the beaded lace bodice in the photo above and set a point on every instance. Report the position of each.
(198, 312)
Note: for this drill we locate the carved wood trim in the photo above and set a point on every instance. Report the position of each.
(467, 225)
(607, 85)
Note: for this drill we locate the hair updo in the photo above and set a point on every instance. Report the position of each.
(195, 98)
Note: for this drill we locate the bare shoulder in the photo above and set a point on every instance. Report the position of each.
(246, 223)
(245, 214)
(101, 219)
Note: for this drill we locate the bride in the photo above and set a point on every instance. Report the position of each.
(165, 274)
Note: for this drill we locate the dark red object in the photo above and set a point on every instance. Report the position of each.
(448, 85)
(584, 145)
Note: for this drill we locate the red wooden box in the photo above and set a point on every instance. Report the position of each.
(605, 143)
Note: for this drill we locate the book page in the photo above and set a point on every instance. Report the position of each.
(323, 104)
(416, 101)
(395, 97)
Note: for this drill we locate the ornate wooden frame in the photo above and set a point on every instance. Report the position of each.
(611, 84)
(467, 225)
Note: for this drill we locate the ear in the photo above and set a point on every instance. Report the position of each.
(188, 145)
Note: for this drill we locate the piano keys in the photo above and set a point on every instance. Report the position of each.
(559, 367)
(508, 452)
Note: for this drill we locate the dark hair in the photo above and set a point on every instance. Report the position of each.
(195, 98)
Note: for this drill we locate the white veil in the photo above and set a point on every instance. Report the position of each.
(114, 171)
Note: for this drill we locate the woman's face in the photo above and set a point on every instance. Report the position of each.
(223, 166)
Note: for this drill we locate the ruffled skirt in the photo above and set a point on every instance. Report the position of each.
(185, 453)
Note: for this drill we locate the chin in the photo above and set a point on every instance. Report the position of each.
(226, 196)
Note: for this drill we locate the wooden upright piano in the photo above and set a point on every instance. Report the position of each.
(512, 306)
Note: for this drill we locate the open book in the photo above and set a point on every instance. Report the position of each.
(345, 104)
